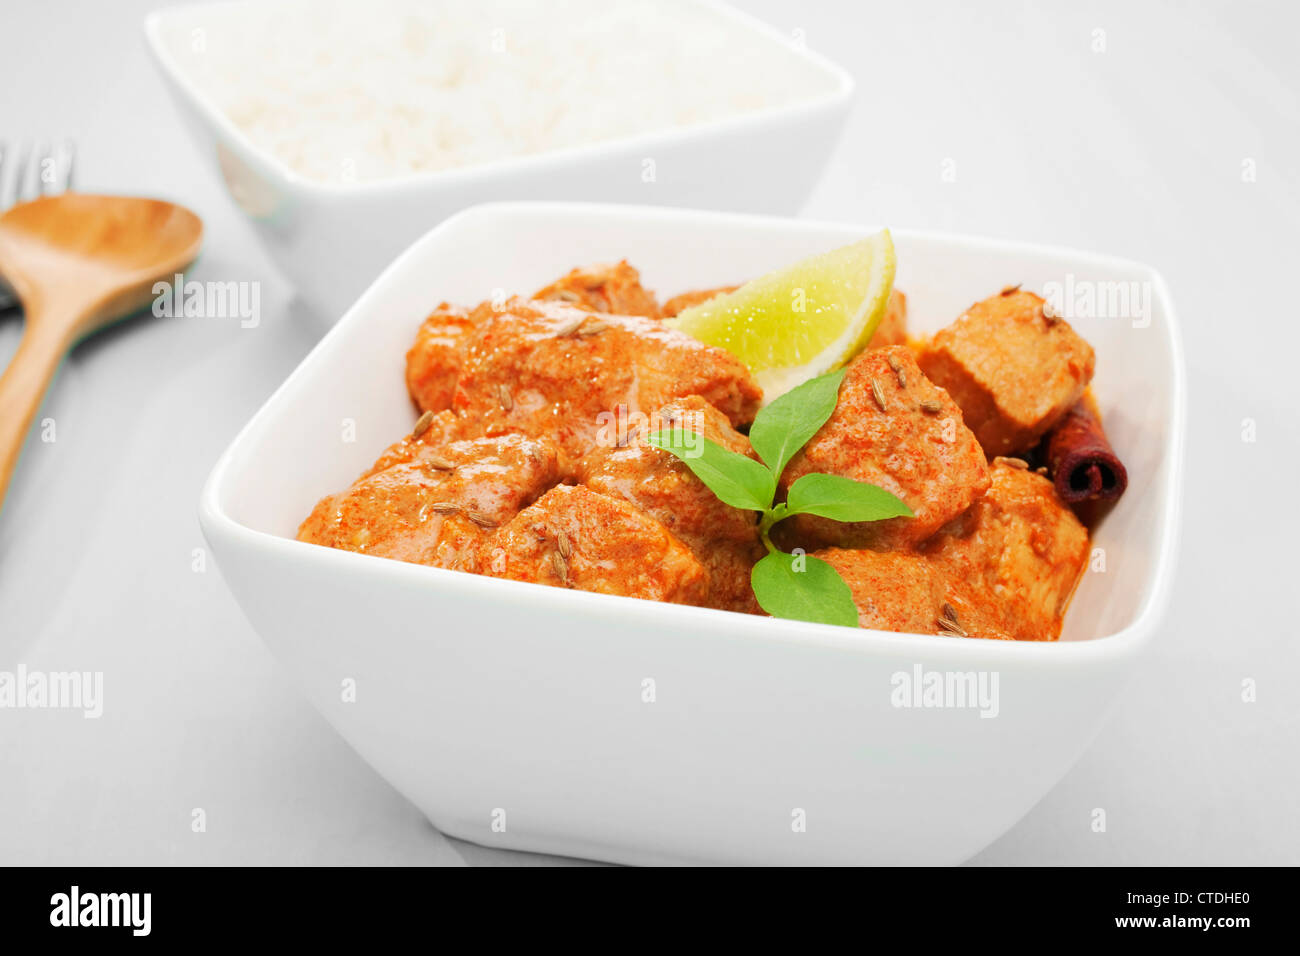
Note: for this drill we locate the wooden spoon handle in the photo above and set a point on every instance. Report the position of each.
(23, 385)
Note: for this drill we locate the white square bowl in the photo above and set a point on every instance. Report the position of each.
(517, 715)
(331, 240)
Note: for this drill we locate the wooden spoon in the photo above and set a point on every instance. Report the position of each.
(77, 263)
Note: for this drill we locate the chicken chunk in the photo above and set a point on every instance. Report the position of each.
(910, 593)
(573, 537)
(894, 429)
(433, 362)
(549, 369)
(430, 433)
(1013, 369)
(892, 329)
(435, 507)
(687, 299)
(1021, 552)
(615, 289)
(723, 538)
(1006, 569)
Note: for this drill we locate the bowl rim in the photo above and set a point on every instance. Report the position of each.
(218, 524)
(545, 162)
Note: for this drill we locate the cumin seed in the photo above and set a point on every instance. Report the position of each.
(507, 400)
(948, 621)
(444, 508)
(897, 368)
(931, 407)
(877, 394)
(953, 627)
(568, 328)
(438, 462)
(564, 545)
(560, 566)
(422, 425)
(480, 519)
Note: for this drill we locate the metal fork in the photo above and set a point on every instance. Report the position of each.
(21, 180)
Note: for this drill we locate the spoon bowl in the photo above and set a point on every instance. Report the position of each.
(77, 263)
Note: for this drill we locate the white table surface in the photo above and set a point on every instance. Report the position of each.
(1136, 151)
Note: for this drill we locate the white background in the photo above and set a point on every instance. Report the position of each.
(1136, 151)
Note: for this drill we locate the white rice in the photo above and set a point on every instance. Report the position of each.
(361, 90)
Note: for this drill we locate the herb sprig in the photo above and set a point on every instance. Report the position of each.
(796, 586)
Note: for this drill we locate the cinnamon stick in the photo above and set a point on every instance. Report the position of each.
(1080, 459)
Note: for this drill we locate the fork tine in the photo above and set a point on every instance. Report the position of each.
(70, 149)
(44, 168)
(40, 160)
(19, 177)
(7, 300)
(52, 170)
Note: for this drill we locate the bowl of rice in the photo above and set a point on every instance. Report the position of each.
(346, 128)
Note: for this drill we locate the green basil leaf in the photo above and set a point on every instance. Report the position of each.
(782, 428)
(803, 588)
(737, 481)
(843, 499)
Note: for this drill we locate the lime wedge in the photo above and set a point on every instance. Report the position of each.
(803, 320)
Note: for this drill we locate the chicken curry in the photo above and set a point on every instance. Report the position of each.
(513, 471)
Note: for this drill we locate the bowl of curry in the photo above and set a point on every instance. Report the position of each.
(546, 622)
